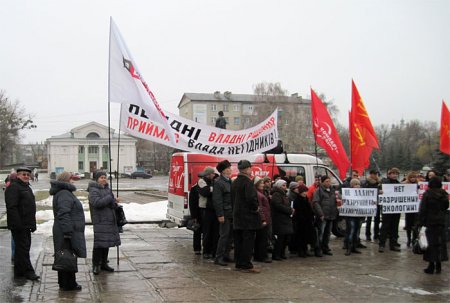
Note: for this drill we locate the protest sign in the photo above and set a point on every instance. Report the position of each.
(399, 198)
(358, 202)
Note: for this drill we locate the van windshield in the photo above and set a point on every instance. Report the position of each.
(324, 171)
(291, 172)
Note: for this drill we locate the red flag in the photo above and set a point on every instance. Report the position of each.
(362, 135)
(326, 135)
(445, 129)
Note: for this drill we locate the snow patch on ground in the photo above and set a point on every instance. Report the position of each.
(134, 212)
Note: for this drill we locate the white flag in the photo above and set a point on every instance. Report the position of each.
(126, 84)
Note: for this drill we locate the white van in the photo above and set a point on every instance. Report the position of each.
(184, 169)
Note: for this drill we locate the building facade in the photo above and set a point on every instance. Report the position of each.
(243, 111)
(85, 149)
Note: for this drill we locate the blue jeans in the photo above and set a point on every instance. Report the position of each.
(324, 234)
(351, 234)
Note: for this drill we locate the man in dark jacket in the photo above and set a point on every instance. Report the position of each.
(389, 227)
(21, 212)
(209, 219)
(373, 181)
(325, 209)
(221, 122)
(246, 219)
(224, 212)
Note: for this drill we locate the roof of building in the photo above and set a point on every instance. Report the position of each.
(230, 97)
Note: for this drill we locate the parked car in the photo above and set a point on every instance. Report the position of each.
(77, 176)
(140, 174)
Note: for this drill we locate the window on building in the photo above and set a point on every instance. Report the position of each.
(81, 149)
(247, 109)
(105, 164)
(93, 149)
(105, 149)
(286, 122)
(225, 107)
(213, 120)
(93, 135)
(237, 120)
(236, 107)
(81, 165)
(213, 107)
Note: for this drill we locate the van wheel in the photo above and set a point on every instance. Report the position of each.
(339, 227)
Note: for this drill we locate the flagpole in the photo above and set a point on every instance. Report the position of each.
(109, 101)
(118, 155)
(109, 118)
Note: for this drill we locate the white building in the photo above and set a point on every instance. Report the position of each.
(85, 149)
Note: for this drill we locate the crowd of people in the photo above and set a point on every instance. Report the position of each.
(68, 226)
(264, 219)
(259, 218)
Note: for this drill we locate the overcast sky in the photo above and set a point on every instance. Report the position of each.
(54, 54)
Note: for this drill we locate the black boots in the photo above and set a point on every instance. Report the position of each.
(438, 267)
(106, 267)
(96, 269)
(429, 269)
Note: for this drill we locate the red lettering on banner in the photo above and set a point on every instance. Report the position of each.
(212, 136)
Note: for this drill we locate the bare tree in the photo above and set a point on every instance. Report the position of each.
(13, 119)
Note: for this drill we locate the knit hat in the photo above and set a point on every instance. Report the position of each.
(64, 176)
(98, 174)
(267, 179)
(293, 185)
(279, 183)
(221, 166)
(208, 171)
(243, 164)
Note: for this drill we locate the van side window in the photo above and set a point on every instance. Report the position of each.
(291, 172)
(324, 171)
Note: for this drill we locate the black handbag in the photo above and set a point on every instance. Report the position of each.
(416, 249)
(193, 225)
(65, 259)
(120, 216)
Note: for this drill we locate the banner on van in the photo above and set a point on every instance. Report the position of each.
(200, 138)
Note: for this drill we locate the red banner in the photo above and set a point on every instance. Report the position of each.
(326, 135)
(362, 135)
(445, 129)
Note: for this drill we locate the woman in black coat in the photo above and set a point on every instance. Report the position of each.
(281, 219)
(304, 219)
(68, 225)
(432, 212)
(102, 204)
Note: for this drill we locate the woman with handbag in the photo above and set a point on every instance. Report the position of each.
(103, 204)
(68, 226)
(432, 212)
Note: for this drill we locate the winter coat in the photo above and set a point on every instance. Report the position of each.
(264, 208)
(205, 189)
(69, 218)
(324, 203)
(372, 183)
(281, 213)
(245, 204)
(221, 122)
(194, 209)
(20, 206)
(433, 208)
(221, 197)
(102, 205)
